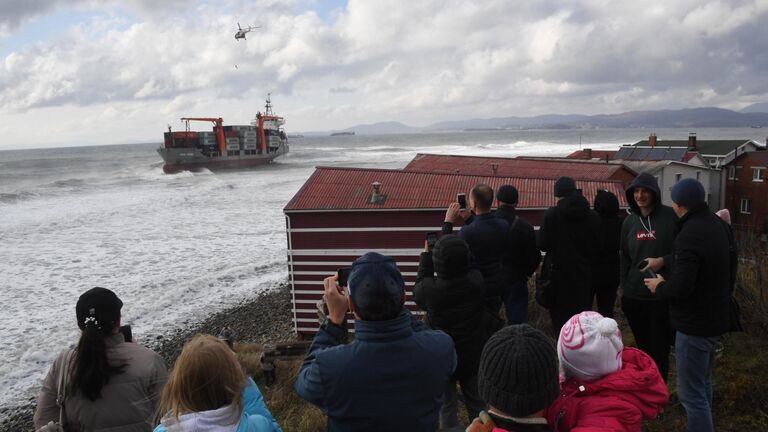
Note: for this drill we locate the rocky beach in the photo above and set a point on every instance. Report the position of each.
(262, 320)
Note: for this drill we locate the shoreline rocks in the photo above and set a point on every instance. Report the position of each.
(267, 318)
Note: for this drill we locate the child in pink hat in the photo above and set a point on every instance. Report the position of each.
(604, 385)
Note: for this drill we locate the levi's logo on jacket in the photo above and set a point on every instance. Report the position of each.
(645, 235)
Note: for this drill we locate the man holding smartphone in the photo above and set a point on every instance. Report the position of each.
(648, 231)
(393, 375)
(487, 237)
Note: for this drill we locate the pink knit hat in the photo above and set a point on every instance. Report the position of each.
(590, 346)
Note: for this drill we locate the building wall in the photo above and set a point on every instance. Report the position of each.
(667, 177)
(746, 188)
(321, 242)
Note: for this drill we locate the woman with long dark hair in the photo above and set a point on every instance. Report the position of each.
(112, 384)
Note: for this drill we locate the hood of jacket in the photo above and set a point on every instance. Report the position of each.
(647, 181)
(451, 257)
(574, 207)
(606, 204)
(224, 419)
(622, 398)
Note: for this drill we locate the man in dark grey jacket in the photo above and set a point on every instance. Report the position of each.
(698, 291)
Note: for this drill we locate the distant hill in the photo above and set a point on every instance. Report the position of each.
(683, 118)
(756, 108)
(391, 127)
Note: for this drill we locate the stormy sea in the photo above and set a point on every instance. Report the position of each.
(178, 248)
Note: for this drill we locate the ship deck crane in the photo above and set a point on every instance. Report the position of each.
(218, 122)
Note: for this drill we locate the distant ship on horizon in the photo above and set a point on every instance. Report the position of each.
(343, 133)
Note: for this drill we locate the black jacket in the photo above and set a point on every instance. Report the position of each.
(698, 287)
(606, 269)
(569, 234)
(487, 237)
(455, 301)
(522, 256)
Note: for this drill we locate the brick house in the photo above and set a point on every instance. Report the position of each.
(746, 190)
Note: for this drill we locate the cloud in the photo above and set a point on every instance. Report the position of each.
(417, 62)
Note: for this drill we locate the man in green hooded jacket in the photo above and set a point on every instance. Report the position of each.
(648, 231)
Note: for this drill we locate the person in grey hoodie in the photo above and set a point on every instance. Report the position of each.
(648, 231)
(113, 384)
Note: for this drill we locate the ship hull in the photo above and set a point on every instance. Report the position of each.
(191, 159)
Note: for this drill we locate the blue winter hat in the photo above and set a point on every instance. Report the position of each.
(375, 283)
(688, 193)
(565, 186)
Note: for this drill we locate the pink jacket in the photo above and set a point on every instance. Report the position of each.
(616, 402)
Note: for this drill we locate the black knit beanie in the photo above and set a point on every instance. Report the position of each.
(518, 371)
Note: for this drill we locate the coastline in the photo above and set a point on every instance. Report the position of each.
(266, 318)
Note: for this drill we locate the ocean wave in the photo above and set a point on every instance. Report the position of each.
(12, 198)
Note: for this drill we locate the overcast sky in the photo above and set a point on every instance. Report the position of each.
(101, 71)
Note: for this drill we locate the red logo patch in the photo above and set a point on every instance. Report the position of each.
(645, 235)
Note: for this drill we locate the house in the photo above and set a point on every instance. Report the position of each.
(342, 213)
(746, 191)
(522, 167)
(668, 173)
(716, 153)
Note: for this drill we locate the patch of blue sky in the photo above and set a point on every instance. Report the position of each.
(46, 28)
(325, 9)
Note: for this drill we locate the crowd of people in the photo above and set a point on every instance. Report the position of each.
(674, 268)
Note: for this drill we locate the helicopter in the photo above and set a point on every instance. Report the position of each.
(242, 31)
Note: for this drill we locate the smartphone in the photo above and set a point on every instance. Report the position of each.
(431, 239)
(343, 275)
(462, 200)
(648, 274)
(127, 333)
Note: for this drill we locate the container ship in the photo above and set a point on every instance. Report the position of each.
(225, 147)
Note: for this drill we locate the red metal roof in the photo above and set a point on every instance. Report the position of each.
(349, 188)
(592, 154)
(509, 167)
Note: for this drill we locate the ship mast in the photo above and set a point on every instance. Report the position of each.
(268, 106)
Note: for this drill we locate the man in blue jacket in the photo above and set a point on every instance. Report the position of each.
(393, 375)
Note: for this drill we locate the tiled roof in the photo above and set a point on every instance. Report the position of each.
(513, 167)
(705, 147)
(349, 188)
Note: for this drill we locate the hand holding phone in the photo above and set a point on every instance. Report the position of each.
(462, 200)
(343, 276)
(647, 273)
(431, 240)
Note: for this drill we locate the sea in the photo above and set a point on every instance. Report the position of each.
(177, 248)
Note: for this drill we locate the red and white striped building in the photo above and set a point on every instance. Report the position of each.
(337, 216)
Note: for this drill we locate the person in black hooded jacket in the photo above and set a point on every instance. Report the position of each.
(605, 273)
(455, 303)
(569, 234)
(648, 231)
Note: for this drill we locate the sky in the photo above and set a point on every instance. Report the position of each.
(80, 72)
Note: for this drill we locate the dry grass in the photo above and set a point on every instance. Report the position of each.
(741, 376)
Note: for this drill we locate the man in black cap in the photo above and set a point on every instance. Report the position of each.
(518, 379)
(698, 291)
(521, 258)
(393, 375)
(569, 234)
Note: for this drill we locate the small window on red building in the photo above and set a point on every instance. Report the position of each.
(746, 206)
(758, 174)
